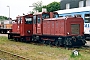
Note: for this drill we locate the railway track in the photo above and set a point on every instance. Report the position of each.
(84, 48)
(13, 55)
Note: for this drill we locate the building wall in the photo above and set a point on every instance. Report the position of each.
(72, 3)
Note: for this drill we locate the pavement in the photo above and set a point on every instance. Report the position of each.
(4, 35)
(88, 43)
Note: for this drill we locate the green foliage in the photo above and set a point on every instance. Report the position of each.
(3, 18)
(44, 7)
(31, 12)
(38, 6)
(54, 6)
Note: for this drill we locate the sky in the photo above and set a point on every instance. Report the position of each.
(18, 7)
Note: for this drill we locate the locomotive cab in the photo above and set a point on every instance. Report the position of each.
(38, 23)
(22, 28)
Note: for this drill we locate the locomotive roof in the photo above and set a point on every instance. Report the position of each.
(39, 13)
(81, 9)
(42, 13)
(61, 18)
(23, 15)
(55, 18)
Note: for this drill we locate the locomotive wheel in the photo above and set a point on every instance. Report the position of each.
(48, 42)
(24, 39)
(60, 43)
(56, 43)
(9, 36)
(32, 39)
(17, 39)
(2, 32)
(21, 39)
(51, 43)
(43, 41)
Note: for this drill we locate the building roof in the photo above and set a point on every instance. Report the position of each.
(74, 10)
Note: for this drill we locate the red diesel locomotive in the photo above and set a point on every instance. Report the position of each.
(49, 28)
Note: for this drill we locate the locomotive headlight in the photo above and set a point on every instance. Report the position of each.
(28, 31)
(68, 33)
(8, 31)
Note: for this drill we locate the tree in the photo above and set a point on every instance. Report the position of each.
(54, 6)
(37, 6)
(3, 18)
(31, 12)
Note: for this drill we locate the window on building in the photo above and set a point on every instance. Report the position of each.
(68, 16)
(60, 16)
(67, 6)
(87, 18)
(87, 2)
(81, 4)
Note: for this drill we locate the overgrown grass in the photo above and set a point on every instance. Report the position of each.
(39, 52)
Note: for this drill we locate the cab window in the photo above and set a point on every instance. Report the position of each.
(56, 15)
(45, 16)
(38, 19)
(28, 20)
(19, 20)
(34, 19)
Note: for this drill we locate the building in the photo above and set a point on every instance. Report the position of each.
(68, 4)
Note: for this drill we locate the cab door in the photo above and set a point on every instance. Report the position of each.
(38, 25)
(19, 25)
(34, 24)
